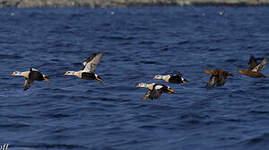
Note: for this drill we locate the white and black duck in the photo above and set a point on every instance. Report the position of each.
(176, 78)
(89, 66)
(155, 90)
(30, 77)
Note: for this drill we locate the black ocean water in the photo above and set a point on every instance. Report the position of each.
(138, 43)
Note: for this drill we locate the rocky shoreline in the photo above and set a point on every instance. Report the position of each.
(125, 3)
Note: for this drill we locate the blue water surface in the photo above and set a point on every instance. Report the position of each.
(138, 43)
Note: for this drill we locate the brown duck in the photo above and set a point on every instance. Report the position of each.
(218, 77)
(254, 69)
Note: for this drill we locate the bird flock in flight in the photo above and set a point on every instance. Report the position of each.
(155, 90)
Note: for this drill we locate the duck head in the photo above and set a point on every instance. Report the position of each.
(16, 73)
(142, 85)
(159, 77)
(70, 73)
(184, 80)
(24, 74)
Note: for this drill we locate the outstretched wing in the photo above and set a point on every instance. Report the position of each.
(147, 95)
(260, 66)
(155, 93)
(221, 79)
(27, 84)
(252, 63)
(178, 74)
(33, 69)
(89, 65)
(212, 81)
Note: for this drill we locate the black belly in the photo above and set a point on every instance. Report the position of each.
(35, 75)
(175, 80)
(88, 76)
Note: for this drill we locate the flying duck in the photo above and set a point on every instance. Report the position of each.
(177, 78)
(218, 77)
(30, 77)
(89, 66)
(254, 69)
(155, 90)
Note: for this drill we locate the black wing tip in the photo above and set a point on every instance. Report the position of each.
(91, 56)
(178, 74)
(251, 57)
(208, 86)
(256, 58)
(100, 53)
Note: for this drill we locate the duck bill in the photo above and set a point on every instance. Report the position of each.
(13, 73)
(66, 74)
(185, 81)
(138, 85)
(155, 77)
(46, 79)
(244, 72)
(170, 91)
(99, 79)
(208, 71)
(241, 71)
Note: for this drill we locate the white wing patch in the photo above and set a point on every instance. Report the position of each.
(157, 87)
(27, 84)
(33, 69)
(84, 63)
(260, 66)
(91, 63)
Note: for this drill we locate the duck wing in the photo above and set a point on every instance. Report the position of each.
(156, 93)
(27, 84)
(260, 66)
(212, 81)
(252, 63)
(147, 95)
(33, 69)
(222, 78)
(89, 65)
(178, 74)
